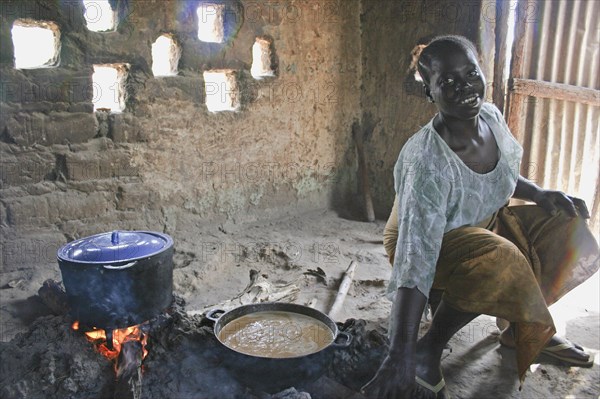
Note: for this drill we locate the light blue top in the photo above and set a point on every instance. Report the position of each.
(437, 193)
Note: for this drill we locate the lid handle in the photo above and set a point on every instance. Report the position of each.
(114, 237)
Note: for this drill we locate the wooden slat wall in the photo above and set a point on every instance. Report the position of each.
(553, 106)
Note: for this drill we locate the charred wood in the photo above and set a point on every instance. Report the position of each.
(129, 371)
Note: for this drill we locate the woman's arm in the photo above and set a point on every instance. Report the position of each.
(526, 189)
(396, 375)
(550, 200)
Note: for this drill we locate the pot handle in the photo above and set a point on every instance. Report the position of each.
(343, 344)
(211, 314)
(125, 266)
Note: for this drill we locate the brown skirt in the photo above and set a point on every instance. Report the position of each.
(513, 267)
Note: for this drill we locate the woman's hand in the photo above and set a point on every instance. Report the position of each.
(395, 379)
(552, 201)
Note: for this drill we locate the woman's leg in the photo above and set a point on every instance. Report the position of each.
(571, 353)
(484, 273)
(563, 253)
(446, 322)
(435, 298)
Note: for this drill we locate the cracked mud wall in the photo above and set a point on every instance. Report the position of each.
(166, 163)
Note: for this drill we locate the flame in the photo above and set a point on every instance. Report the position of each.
(119, 337)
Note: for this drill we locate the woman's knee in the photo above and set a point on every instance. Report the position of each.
(474, 243)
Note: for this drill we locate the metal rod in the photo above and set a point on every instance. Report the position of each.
(109, 338)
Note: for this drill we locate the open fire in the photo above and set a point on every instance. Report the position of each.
(119, 337)
(126, 348)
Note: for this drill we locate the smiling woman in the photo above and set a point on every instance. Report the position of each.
(452, 239)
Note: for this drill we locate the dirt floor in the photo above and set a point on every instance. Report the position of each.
(213, 263)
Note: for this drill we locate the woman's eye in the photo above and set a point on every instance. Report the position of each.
(473, 74)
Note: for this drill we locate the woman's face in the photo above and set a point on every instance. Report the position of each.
(456, 83)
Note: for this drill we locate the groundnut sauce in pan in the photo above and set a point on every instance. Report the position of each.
(276, 334)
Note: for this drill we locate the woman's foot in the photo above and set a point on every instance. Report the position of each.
(428, 362)
(429, 380)
(557, 347)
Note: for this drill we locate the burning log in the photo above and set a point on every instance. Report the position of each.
(109, 343)
(129, 371)
(126, 348)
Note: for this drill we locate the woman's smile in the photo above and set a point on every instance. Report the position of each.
(471, 100)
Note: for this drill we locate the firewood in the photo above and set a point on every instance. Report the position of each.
(129, 371)
(343, 291)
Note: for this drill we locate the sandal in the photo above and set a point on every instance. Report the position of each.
(423, 389)
(553, 351)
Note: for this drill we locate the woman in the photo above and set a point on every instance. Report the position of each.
(455, 235)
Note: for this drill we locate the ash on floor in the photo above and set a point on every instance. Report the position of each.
(185, 361)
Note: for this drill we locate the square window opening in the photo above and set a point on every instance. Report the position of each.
(165, 56)
(222, 90)
(109, 93)
(262, 59)
(99, 15)
(36, 44)
(211, 22)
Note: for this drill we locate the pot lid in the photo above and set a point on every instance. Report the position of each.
(117, 246)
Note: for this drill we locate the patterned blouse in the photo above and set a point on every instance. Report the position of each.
(437, 192)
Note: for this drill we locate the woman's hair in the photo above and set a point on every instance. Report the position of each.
(423, 54)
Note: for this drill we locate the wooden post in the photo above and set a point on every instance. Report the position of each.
(501, 33)
(514, 106)
(359, 134)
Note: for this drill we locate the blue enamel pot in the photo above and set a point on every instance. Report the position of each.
(118, 279)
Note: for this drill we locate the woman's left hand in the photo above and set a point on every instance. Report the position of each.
(552, 201)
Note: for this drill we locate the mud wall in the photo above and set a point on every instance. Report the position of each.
(390, 95)
(165, 163)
